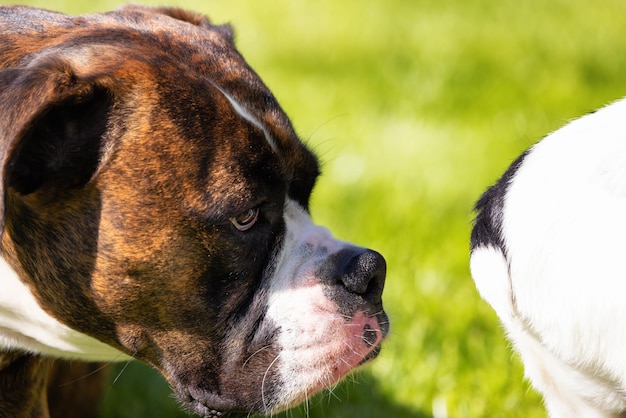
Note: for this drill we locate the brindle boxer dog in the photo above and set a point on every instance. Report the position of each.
(155, 205)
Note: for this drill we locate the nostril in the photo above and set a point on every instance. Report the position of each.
(364, 274)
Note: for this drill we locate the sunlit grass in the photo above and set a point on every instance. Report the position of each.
(415, 107)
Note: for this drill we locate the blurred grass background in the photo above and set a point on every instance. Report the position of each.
(415, 107)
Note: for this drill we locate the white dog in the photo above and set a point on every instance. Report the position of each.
(549, 255)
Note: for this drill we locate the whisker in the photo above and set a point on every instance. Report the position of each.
(253, 354)
(351, 325)
(265, 406)
(306, 403)
(351, 347)
(78, 379)
(331, 392)
(120, 373)
(347, 364)
(116, 379)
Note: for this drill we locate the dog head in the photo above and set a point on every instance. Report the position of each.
(156, 199)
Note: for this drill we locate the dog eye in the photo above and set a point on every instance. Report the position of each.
(246, 220)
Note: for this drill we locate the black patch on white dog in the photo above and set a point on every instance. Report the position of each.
(487, 231)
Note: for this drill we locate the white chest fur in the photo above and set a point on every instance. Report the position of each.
(25, 326)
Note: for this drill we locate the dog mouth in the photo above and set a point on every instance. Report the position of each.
(311, 366)
(293, 373)
(364, 346)
(373, 338)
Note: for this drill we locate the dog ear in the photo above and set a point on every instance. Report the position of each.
(51, 128)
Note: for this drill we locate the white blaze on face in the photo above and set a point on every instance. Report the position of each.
(318, 345)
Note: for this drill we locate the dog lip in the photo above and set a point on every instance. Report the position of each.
(369, 335)
(198, 400)
(371, 355)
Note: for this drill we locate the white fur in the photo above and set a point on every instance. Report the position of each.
(296, 300)
(25, 326)
(314, 337)
(561, 292)
(244, 113)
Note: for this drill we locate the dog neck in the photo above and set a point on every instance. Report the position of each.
(25, 326)
(29, 374)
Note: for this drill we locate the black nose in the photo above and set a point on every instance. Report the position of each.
(362, 272)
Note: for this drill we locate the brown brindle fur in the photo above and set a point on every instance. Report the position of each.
(90, 221)
(35, 386)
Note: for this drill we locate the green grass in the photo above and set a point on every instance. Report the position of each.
(415, 107)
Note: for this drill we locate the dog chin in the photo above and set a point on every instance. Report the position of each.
(299, 370)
